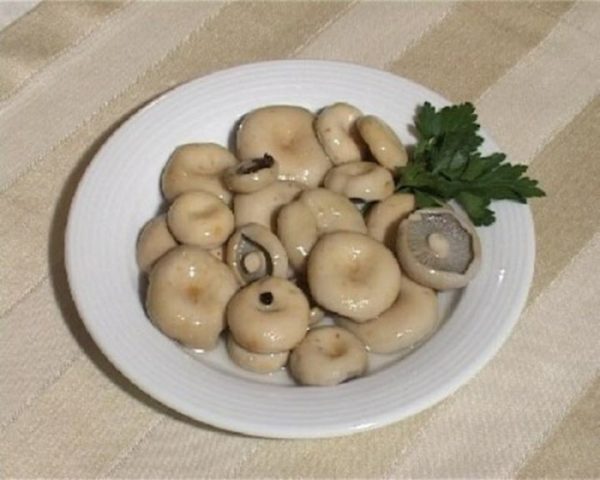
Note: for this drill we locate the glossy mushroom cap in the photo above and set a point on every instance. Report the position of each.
(268, 316)
(255, 362)
(384, 217)
(200, 218)
(384, 144)
(263, 205)
(353, 275)
(316, 212)
(197, 167)
(411, 319)
(366, 181)
(298, 231)
(333, 212)
(336, 130)
(328, 356)
(286, 133)
(188, 292)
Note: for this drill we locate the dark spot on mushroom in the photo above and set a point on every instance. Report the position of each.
(337, 351)
(266, 298)
(256, 164)
(194, 293)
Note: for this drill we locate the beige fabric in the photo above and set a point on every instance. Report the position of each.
(71, 73)
(11, 11)
(52, 32)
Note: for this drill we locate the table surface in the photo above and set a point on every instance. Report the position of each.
(71, 72)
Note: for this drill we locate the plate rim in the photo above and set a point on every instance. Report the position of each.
(378, 420)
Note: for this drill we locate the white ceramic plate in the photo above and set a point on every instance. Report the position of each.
(120, 192)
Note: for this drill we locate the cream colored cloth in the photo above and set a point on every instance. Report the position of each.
(71, 72)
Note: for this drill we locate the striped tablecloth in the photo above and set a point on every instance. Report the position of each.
(71, 72)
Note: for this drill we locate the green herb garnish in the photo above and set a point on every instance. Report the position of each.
(446, 164)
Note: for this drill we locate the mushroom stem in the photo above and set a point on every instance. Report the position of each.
(254, 262)
(439, 244)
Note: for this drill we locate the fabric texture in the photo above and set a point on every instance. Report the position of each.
(73, 71)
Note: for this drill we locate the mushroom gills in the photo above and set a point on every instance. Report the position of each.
(441, 242)
(253, 252)
(254, 260)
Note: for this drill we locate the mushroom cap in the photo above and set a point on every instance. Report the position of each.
(253, 252)
(366, 181)
(263, 205)
(333, 212)
(353, 275)
(384, 144)
(255, 362)
(297, 230)
(411, 319)
(251, 175)
(154, 241)
(268, 316)
(187, 296)
(337, 133)
(438, 248)
(328, 356)
(384, 217)
(286, 133)
(200, 218)
(317, 211)
(197, 166)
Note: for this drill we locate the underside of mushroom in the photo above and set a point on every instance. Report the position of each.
(438, 249)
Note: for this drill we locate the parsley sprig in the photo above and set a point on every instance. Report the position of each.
(446, 164)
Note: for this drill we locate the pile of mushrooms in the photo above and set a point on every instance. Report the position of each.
(268, 244)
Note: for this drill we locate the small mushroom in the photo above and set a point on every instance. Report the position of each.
(384, 217)
(251, 175)
(200, 218)
(353, 275)
(333, 212)
(337, 133)
(411, 319)
(263, 205)
(438, 249)
(286, 133)
(268, 316)
(298, 232)
(187, 296)
(384, 144)
(366, 181)
(154, 241)
(255, 362)
(197, 167)
(328, 356)
(253, 252)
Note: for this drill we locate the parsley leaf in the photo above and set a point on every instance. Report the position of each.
(446, 164)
